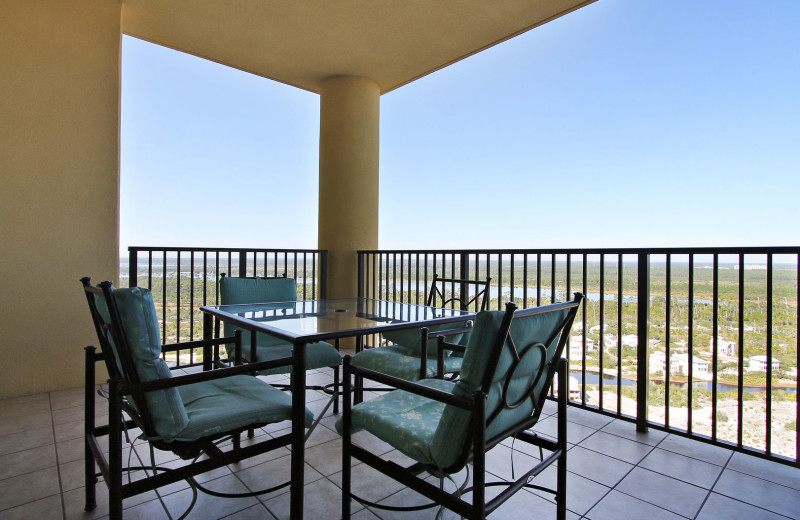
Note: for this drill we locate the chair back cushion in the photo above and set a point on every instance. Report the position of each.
(234, 290)
(242, 291)
(525, 332)
(140, 325)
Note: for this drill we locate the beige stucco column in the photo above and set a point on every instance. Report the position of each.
(348, 177)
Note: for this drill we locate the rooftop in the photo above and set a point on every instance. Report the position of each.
(614, 472)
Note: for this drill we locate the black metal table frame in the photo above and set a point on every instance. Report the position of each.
(298, 380)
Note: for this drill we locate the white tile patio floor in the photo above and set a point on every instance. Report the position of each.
(614, 473)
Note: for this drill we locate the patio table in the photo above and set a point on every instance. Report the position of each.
(303, 322)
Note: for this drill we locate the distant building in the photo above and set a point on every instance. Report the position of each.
(759, 364)
(576, 347)
(679, 364)
(657, 363)
(724, 347)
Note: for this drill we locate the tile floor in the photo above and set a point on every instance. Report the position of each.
(614, 473)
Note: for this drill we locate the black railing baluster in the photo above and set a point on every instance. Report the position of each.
(602, 325)
(768, 433)
(191, 295)
(740, 412)
(133, 268)
(715, 343)
(643, 341)
(668, 312)
(552, 278)
(525, 281)
(538, 279)
(690, 343)
(584, 325)
(619, 332)
(164, 296)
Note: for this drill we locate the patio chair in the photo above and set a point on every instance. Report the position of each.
(509, 364)
(190, 415)
(410, 357)
(244, 290)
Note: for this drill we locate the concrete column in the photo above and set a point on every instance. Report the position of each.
(348, 177)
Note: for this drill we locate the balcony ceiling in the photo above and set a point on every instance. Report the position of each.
(301, 43)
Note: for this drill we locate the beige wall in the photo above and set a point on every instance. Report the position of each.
(59, 183)
(348, 177)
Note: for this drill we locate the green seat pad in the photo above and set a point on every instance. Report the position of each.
(233, 403)
(406, 421)
(399, 361)
(318, 355)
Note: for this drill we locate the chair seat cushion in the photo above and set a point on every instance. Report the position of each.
(232, 403)
(406, 421)
(318, 355)
(398, 361)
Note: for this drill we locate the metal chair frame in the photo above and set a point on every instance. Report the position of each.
(126, 395)
(476, 444)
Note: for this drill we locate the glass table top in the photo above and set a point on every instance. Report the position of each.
(333, 318)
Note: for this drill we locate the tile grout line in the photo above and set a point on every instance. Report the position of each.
(58, 462)
(614, 487)
(724, 468)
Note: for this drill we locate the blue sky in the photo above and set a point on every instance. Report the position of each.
(624, 124)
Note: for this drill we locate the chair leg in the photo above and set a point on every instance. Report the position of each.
(89, 475)
(561, 475)
(335, 390)
(114, 452)
(251, 432)
(358, 390)
(346, 396)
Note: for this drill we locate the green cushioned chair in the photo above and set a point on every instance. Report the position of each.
(509, 364)
(190, 415)
(235, 290)
(410, 357)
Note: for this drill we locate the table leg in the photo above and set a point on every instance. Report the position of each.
(208, 326)
(298, 429)
(358, 381)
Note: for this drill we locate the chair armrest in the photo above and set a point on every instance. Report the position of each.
(199, 343)
(408, 386)
(210, 375)
(441, 346)
(449, 332)
(426, 335)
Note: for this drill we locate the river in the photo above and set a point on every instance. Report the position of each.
(593, 378)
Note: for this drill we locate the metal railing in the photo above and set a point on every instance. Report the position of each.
(694, 341)
(183, 279)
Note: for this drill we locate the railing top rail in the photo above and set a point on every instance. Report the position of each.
(621, 250)
(224, 249)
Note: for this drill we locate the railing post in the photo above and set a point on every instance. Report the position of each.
(323, 274)
(361, 288)
(243, 265)
(464, 270)
(643, 328)
(133, 267)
